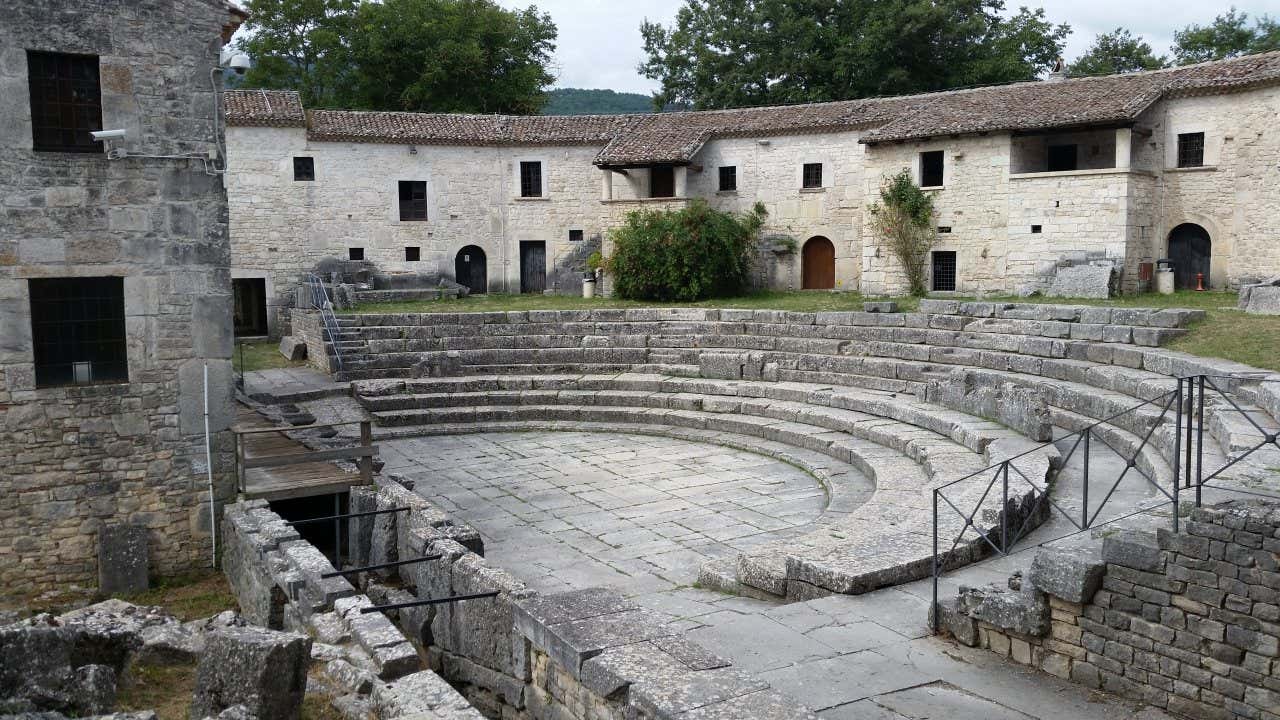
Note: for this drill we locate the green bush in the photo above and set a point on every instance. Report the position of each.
(684, 255)
(904, 220)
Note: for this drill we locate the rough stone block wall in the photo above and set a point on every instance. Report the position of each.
(308, 328)
(74, 458)
(1187, 621)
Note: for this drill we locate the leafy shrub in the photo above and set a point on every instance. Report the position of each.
(904, 219)
(684, 255)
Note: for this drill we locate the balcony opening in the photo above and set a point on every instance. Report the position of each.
(1063, 152)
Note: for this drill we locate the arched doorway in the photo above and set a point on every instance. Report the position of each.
(1190, 250)
(469, 269)
(818, 264)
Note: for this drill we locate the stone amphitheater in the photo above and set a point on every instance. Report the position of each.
(771, 490)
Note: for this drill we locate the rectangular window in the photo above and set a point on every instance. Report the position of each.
(1062, 158)
(355, 253)
(931, 168)
(1035, 229)
(944, 229)
(575, 236)
(1190, 150)
(662, 181)
(413, 199)
(66, 102)
(728, 178)
(304, 169)
(531, 179)
(811, 176)
(944, 271)
(77, 330)
(412, 254)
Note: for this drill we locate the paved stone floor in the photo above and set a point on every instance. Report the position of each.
(286, 382)
(564, 510)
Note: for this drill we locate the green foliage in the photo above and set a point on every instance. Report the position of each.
(580, 101)
(724, 53)
(595, 261)
(903, 218)
(1116, 52)
(416, 55)
(684, 255)
(1228, 36)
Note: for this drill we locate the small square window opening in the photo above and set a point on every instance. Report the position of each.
(811, 176)
(304, 169)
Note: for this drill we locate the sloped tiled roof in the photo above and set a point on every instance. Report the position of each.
(263, 108)
(676, 137)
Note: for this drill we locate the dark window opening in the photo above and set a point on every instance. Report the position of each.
(412, 254)
(1035, 229)
(728, 178)
(931, 168)
(575, 236)
(1062, 158)
(355, 253)
(944, 271)
(1190, 150)
(304, 169)
(413, 199)
(77, 330)
(249, 317)
(944, 228)
(531, 179)
(811, 176)
(66, 102)
(662, 181)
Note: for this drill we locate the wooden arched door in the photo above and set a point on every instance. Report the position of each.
(1190, 249)
(818, 264)
(469, 269)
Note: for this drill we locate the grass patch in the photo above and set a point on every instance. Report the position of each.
(189, 597)
(167, 690)
(260, 355)
(802, 301)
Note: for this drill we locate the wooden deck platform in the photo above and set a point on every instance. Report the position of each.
(270, 465)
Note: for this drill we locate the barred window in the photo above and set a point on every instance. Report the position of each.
(66, 102)
(530, 179)
(77, 330)
(728, 178)
(811, 176)
(413, 199)
(944, 271)
(304, 169)
(1191, 150)
(413, 254)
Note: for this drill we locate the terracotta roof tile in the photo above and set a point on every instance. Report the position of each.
(676, 137)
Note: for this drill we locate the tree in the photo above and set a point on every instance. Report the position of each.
(450, 56)
(298, 45)
(1228, 36)
(1116, 52)
(580, 101)
(903, 218)
(421, 55)
(723, 53)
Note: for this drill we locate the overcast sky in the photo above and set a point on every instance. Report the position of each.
(599, 44)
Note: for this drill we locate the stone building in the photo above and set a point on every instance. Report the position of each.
(1128, 169)
(114, 283)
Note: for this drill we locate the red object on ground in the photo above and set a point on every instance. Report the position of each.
(1199, 282)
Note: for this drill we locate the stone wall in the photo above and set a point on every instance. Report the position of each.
(1186, 621)
(76, 458)
(308, 328)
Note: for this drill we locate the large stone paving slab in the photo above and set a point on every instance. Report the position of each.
(565, 510)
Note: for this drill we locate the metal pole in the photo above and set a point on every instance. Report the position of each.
(1004, 508)
(436, 601)
(380, 566)
(1177, 450)
(1191, 400)
(208, 461)
(337, 531)
(934, 607)
(1200, 443)
(1084, 525)
(345, 515)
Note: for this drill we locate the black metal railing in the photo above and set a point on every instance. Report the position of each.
(1025, 503)
(328, 320)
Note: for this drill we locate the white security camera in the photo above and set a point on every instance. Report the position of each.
(101, 135)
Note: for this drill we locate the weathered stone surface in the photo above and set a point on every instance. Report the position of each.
(421, 695)
(1084, 281)
(264, 670)
(1025, 611)
(1073, 575)
(1132, 549)
(123, 565)
(577, 625)
(952, 619)
(880, 307)
(660, 685)
(348, 677)
(1260, 298)
(293, 349)
(723, 366)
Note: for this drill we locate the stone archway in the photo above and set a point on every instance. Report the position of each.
(470, 270)
(818, 264)
(1191, 251)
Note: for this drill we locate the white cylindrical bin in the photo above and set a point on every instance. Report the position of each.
(1164, 282)
(588, 287)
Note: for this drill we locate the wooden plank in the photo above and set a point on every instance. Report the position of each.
(310, 456)
(241, 430)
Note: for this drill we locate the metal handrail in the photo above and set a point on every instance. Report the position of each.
(320, 299)
(1188, 400)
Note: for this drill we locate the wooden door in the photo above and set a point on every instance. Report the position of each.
(533, 266)
(470, 269)
(1191, 251)
(818, 264)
